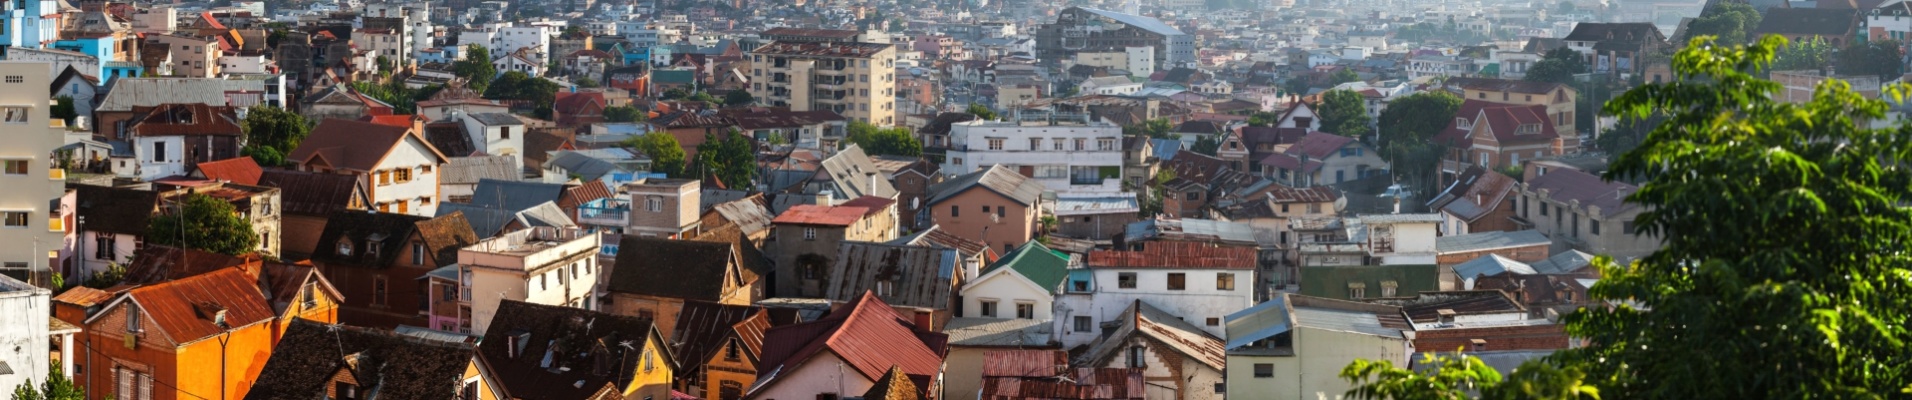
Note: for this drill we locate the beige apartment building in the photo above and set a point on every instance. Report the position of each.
(33, 230)
(857, 80)
(192, 57)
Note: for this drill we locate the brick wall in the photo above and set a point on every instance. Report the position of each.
(1524, 337)
(1527, 254)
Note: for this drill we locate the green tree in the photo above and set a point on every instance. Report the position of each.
(1296, 86)
(1343, 75)
(667, 156)
(739, 98)
(1727, 166)
(1264, 118)
(63, 109)
(1155, 129)
(516, 85)
(1558, 66)
(1812, 54)
(623, 114)
(55, 387)
(981, 112)
(1450, 378)
(273, 132)
(475, 68)
(587, 82)
(204, 223)
(729, 156)
(1730, 22)
(885, 141)
(1344, 113)
(1206, 145)
(1407, 129)
(1879, 57)
(673, 94)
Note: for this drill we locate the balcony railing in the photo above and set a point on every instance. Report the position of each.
(603, 216)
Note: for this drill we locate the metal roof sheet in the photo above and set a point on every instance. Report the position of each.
(1095, 204)
(1479, 241)
(994, 332)
(1491, 265)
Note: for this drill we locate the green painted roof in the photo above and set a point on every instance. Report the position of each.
(1038, 263)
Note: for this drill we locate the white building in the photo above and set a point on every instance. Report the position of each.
(1022, 285)
(1294, 346)
(31, 226)
(25, 311)
(1202, 284)
(541, 265)
(1398, 239)
(495, 134)
(1063, 155)
(395, 46)
(536, 38)
(398, 167)
(1110, 85)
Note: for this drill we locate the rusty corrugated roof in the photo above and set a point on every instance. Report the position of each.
(915, 276)
(184, 309)
(1025, 363)
(1176, 255)
(809, 214)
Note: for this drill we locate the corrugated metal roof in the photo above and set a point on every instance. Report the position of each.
(866, 334)
(810, 214)
(1096, 204)
(470, 170)
(1400, 218)
(997, 179)
(1564, 263)
(184, 308)
(1176, 255)
(130, 92)
(749, 213)
(1480, 241)
(1191, 229)
(998, 332)
(1491, 265)
(1029, 363)
(916, 276)
(1145, 23)
(1163, 327)
(1262, 321)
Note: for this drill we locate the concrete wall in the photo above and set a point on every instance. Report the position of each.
(1313, 371)
(824, 373)
(1196, 304)
(412, 154)
(24, 314)
(1006, 289)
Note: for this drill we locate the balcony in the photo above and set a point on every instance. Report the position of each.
(604, 216)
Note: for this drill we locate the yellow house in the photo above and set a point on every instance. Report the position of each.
(540, 352)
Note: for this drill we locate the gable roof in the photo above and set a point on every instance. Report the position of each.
(558, 360)
(1505, 123)
(996, 179)
(444, 235)
(1566, 262)
(388, 232)
(1565, 185)
(1479, 241)
(312, 193)
(354, 145)
(1287, 311)
(748, 213)
(394, 366)
(1475, 193)
(177, 119)
(1319, 145)
(1504, 85)
(115, 210)
(127, 93)
(153, 263)
(1808, 21)
(471, 170)
(1165, 328)
(918, 276)
(681, 269)
(240, 170)
(183, 309)
(450, 138)
(811, 214)
(1454, 134)
(1620, 31)
(849, 170)
(865, 333)
(705, 328)
(513, 195)
(934, 236)
(1035, 262)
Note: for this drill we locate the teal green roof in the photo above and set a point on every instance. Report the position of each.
(1038, 263)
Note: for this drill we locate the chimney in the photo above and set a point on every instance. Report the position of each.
(1446, 315)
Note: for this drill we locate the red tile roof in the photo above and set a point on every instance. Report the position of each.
(241, 170)
(866, 334)
(397, 120)
(1030, 363)
(809, 214)
(1176, 255)
(1454, 135)
(182, 309)
(1505, 122)
(351, 145)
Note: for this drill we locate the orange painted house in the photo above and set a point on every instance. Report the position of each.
(203, 336)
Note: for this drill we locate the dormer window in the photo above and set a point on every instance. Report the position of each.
(345, 247)
(1463, 123)
(1527, 129)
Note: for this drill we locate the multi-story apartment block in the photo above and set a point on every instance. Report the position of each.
(392, 46)
(540, 265)
(30, 24)
(1085, 29)
(1199, 282)
(1064, 155)
(34, 187)
(857, 80)
(191, 57)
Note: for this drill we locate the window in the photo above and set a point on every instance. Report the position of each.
(1177, 281)
(954, 212)
(15, 219)
(654, 204)
(132, 319)
(1212, 321)
(1125, 280)
(989, 308)
(418, 253)
(1593, 226)
(1082, 323)
(730, 350)
(1221, 388)
(1357, 290)
(14, 115)
(103, 246)
(1105, 144)
(402, 175)
(504, 132)
(345, 391)
(1138, 357)
(1224, 281)
(16, 167)
(1543, 209)
(1081, 144)
(1058, 144)
(1025, 311)
(809, 233)
(1388, 288)
(995, 143)
(378, 290)
(384, 178)
(159, 151)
